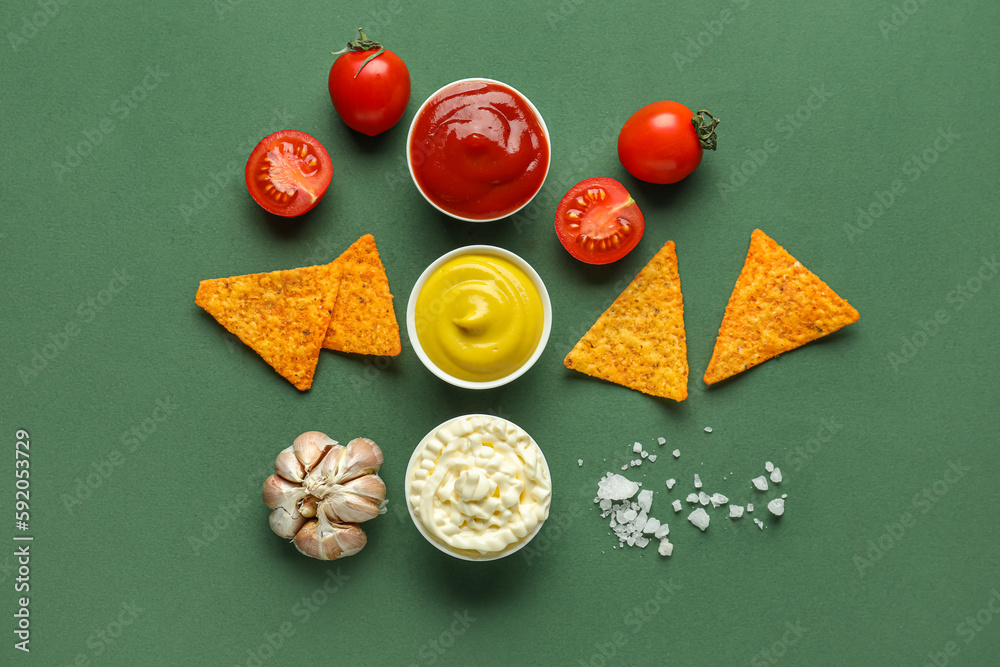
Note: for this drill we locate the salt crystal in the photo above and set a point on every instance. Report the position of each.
(616, 487)
(645, 500)
(708, 429)
(735, 511)
(640, 522)
(768, 466)
(645, 454)
(605, 504)
(665, 548)
(662, 531)
(776, 506)
(652, 457)
(625, 467)
(760, 524)
(677, 505)
(579, 462)
(636, 448)
(719, 499)
(641, 542)
(677, 453)
(652, 525)
(699, 518)
(630, 515)
(671, 482)
(692, 498)
(661, 441)
(760, 483)
(749, 508)
(703, 498)
(697, 481)
(776, 475)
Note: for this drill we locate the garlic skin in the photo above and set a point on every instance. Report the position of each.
(320, 492)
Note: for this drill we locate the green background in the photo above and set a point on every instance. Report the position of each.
(864, 568)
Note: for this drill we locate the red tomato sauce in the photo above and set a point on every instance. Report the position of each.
(478, 150)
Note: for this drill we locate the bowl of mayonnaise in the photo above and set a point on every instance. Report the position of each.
(478, 487)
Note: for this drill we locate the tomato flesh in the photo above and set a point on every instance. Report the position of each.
(658, 143)
(598, 222)
(288, 172)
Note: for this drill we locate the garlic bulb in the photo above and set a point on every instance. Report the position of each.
(321, 491)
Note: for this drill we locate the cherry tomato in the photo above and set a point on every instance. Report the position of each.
(663, 141)
(369, 86)
(598, 222)
(288, 172)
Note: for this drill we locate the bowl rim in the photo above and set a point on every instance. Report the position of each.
(538, 116)
(419, 525)
(536, 280)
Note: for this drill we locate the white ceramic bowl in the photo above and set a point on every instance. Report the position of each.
(411, 323)
(409, 153)
(517, 546)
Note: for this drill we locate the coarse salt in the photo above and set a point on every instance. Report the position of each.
(776, 475)
(699, 518)
(735, 511)
(776, 506)
(760, 483)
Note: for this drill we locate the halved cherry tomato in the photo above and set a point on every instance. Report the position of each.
(663, 141)
(598, 222)
(288, 172)
(369, 86)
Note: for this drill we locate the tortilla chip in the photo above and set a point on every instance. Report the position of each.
(363, 319)
(776, 306)
(639, 341)
(282, 315)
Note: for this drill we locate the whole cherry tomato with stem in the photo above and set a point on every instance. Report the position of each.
(369, 86)
(663, 141)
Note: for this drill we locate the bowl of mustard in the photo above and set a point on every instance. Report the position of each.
(479, 317)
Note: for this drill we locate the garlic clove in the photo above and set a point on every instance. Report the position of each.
(288, 466)
(370, 487)
(308, 506)
(342, 506)
(279, 492)
(361, 457)
(326, 541)
(284, 524)
(325, 470)
(311, 446)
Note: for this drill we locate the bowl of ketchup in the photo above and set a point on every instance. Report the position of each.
(478, 150)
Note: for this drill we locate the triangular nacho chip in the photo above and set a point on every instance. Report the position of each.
(639, 341)
(777, 305)
(282, 315)
(363, 319)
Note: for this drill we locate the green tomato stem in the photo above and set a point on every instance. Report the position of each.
(705, 129)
